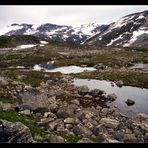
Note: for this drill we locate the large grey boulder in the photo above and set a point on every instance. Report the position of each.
(111, 123)
(14, 133)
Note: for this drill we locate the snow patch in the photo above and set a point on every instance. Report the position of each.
(10, 28)
(43, 42)
(112, 41)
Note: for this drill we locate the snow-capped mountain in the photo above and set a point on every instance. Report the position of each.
(130, 30)
(54, 32)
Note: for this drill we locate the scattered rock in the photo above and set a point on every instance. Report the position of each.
(130, 102)
(83, 90)
(119, 83)
(129, 138)
(112, 97)
(82, 130)
(56, 139)
(69, 121)
(110, 141)
(3, 81)
(112, 123)
(49, 114)
(26, 112)
(85, 140)
(45, 122)
(96, 92)
(65, 112)
(75, 101)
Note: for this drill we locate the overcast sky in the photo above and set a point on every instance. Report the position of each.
(65, 15)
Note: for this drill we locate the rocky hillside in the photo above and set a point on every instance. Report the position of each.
(54, 32)
(130, 30)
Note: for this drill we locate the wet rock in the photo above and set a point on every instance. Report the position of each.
(112, 123)
(112, 97)
(56, 139)
(119, 83)
(83, 90)
(14, 132)
(96, 92)
(112, 84)
(85, 140)
(130, 102)
(129, 138)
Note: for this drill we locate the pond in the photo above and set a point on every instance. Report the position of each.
(140, 66)
(139, 95)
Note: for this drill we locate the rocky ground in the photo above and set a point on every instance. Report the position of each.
(43, 107)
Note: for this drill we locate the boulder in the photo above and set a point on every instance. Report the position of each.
(65, 111)
(83, 90)
(119, 83)
(14, 133)
(130, 102)
(111, 123)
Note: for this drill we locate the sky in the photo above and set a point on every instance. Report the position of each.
(73, 15)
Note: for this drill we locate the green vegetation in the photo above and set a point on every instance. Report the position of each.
(129, 77)
(13, 41)
(5, 98)
(26, 120)
(33, 78)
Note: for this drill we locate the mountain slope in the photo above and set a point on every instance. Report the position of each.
(130, 30)
(54, 32)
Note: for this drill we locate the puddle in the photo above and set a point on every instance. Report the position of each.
(140, 66)
(139, 95)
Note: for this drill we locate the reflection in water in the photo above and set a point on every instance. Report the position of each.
(139, 95)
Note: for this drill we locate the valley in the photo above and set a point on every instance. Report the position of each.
(54, 108)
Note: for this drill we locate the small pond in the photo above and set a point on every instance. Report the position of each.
(139, 95)
(140, 66)
(64, 69)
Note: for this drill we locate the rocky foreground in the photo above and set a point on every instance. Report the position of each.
(64, 109)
